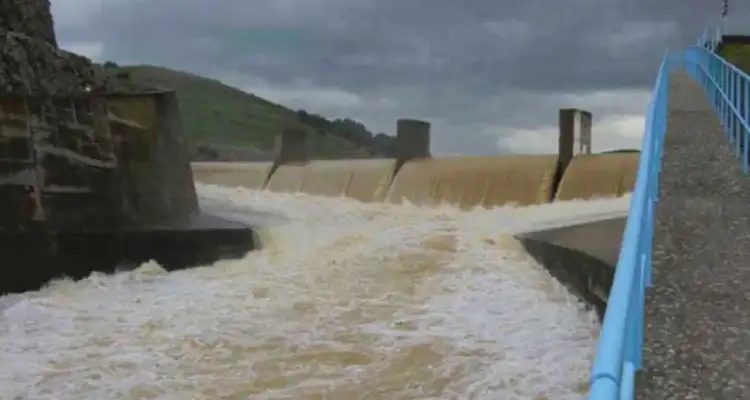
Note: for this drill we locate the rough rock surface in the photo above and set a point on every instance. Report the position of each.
(31, 18)
(32, 67)
(31, 64)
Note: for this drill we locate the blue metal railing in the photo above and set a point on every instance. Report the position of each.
(619, 354)
(728, 91)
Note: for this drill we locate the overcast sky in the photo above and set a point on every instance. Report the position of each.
(489, 75)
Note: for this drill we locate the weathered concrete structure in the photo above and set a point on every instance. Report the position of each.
(575, 133)
(412, 139)
(365, 180)
(90, 179)
(290, 146)
(153, 157)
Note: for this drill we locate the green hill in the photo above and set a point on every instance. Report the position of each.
(737, 53)
(222, 122)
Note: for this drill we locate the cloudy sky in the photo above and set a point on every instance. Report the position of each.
(489, 75)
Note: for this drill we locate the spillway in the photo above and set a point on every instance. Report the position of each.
(348, 301)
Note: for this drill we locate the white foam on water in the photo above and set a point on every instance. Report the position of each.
(352, 301)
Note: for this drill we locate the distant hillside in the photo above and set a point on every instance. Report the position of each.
(222, 122)
(736, 50)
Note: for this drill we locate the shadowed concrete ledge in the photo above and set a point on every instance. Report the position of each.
(582, 257)
(203, 239)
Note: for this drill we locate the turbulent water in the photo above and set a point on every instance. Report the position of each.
(349, 301)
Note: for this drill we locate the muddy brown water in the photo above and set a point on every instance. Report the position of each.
(349, 301)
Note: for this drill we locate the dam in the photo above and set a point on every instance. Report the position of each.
(406, 277)
(392, 278)
(412, 277)
(394, 301)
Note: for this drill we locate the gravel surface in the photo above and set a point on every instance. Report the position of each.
(697, 343)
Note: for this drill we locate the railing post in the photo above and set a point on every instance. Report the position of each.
(746, 133)
(730, 116)
(736, 117)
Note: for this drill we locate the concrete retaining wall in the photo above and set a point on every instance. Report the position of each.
(154, 157)
(581, 256)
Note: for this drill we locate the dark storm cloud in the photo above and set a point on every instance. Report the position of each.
(547, 45)
(461, 61)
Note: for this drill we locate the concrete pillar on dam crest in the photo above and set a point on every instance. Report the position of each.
(412, 139)
(575, 133)
(290, 146)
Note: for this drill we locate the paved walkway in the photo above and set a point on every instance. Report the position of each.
(697, 343)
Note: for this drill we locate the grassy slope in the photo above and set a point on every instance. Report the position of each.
(738, 54)
(217, 114)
